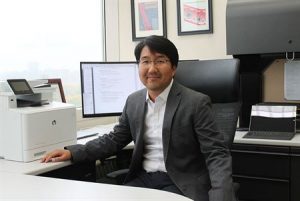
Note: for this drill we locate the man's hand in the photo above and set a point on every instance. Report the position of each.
(57, 156)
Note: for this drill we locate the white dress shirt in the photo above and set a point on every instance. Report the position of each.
(153, 150)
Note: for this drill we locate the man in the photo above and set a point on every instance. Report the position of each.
(178, 147)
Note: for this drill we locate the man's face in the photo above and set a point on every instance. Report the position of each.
(155, 70)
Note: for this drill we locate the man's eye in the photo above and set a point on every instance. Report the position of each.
(160, 61)
(145, 62)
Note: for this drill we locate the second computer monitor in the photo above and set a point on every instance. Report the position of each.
(105, 87)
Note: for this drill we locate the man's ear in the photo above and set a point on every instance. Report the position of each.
(174, 70)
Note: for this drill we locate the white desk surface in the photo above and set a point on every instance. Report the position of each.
(239, 139)
(20, 187)
(31, 168)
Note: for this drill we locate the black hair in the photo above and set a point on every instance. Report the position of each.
(160, 45)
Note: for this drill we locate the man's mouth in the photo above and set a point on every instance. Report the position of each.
(152, 76)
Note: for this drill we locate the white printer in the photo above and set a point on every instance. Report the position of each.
(28, 132)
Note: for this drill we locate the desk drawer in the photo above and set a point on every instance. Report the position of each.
(295, 173)
(261, 189)
(258, 163)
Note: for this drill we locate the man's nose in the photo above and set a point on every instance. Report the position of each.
(152, 67)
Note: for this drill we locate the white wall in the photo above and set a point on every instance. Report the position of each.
(200, 46)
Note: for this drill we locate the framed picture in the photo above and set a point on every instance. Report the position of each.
(194, 17)
(148, 18)
(56, 82)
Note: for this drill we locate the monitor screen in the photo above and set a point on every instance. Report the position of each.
(105, 87)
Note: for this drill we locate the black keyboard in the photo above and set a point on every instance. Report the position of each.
(269, 135)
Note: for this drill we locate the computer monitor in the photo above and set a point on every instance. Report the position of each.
(105, 87)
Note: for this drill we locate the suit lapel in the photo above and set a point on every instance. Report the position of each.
(171, 107)
(139, 121)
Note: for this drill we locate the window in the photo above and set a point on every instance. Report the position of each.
(48, 39)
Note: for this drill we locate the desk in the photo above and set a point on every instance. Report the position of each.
(267, 170)
(17, 183)
(238, 139)
(34, 188)
(31, 168)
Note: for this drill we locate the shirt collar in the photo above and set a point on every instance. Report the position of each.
(163, 95)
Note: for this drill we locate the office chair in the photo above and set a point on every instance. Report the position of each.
(219, 79)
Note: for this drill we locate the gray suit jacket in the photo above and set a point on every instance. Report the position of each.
(195, 155)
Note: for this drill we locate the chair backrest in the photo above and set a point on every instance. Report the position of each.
(226, 116)
(219, 79)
